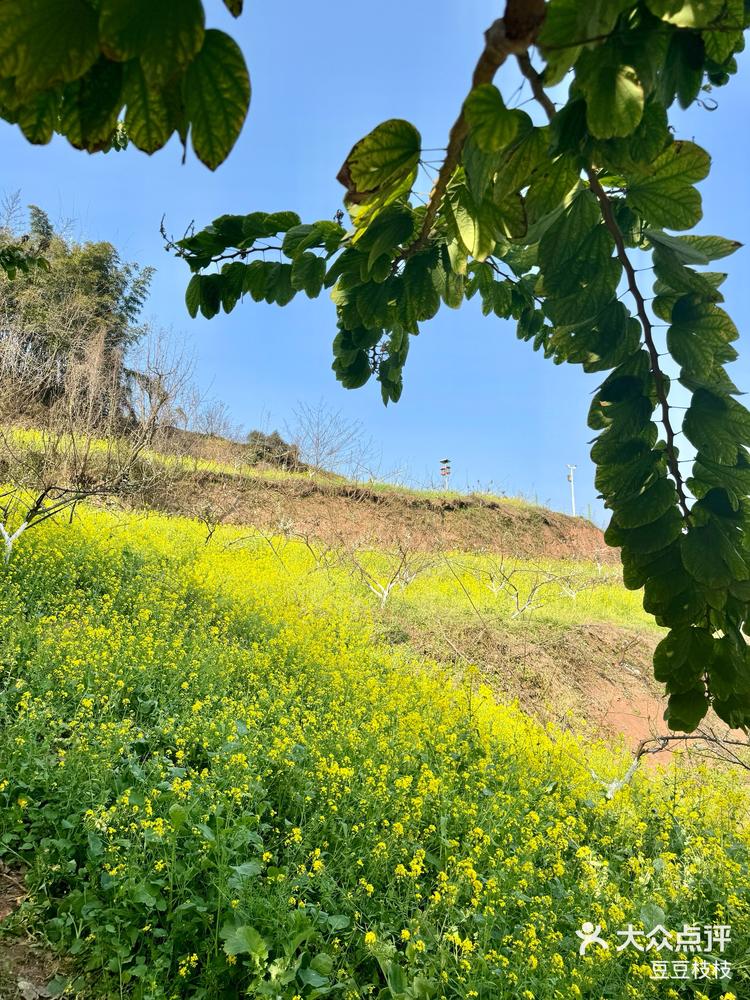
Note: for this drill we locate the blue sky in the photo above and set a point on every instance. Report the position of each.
(323, 75)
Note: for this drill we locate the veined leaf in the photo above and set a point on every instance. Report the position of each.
(44, 42)
(492, 125)
(147, 116)
(681, 657)
(382, 165)
(550, 187)
(37, 117)
(164, 35)
(216, 91)
(718, 426)
(614, 99)
(663, 193)
(648, 505)
(244, 940)
(90, 106)
(308, 271)
(713, 557)
(685, 710)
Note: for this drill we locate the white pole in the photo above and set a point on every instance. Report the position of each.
(571, 470)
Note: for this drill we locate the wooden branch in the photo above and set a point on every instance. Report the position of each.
(656, 744)
(507, 36)
(610, 222)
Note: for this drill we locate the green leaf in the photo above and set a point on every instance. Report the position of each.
(210, 294)
(278, 283)
(728, 672)
(648, 537)
(393, 226)
(322, 963)
(713, 557)
(44, 42)
(647, 506)
(677, 277)
(38, 117)
(480, 168)
(574, 246)
(663, 194)
(687, 251)
(682, 71)
(614, 99)
(528, 153)
(652, 916)
(477, 226)
(193, 295)
(735, 479)
(232, 284)
(164, 35)
(686, 13)
(324, 234)
(247, 870)
(710, 247)
(178, 815)
(695, 340)
(91, 105)
(491, 124)
(355, 373)
(310, 977)
(244, 940)
(550, 188)
(216, 90)
(719, 427)
(686, 710)
(380, 167)
(147, 118)
(308, 272)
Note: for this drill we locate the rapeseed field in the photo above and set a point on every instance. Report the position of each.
(221, 784)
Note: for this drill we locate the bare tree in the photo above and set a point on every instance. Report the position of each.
(85, 442)
(398, 568)
(527, 587)
(328, 441)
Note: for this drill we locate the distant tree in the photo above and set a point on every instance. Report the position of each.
(272, 449)
(86, 290)
(327, 441)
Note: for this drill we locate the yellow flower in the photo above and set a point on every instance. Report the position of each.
(370, 938)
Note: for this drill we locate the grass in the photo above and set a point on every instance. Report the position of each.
(223, 785)
(30, 439)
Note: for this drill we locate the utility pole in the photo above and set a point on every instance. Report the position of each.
(571, 480)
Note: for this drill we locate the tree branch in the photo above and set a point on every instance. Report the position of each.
(507, 36)
(610, 222)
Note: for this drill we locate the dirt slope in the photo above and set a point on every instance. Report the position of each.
(337, 512)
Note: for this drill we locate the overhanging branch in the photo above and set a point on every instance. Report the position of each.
(507, 36)
(605, 205)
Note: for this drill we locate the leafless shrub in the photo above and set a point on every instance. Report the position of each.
(328, 441)
(395, 568)
(86, 442)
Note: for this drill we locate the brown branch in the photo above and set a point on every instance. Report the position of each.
(610, 222)
(507, 36)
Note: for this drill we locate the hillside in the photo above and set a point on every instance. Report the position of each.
(333, 509)
(228, 773)
(595, 670)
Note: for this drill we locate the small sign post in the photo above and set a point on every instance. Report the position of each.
(445, 471)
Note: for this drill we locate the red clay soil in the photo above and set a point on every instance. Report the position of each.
(336, 513)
